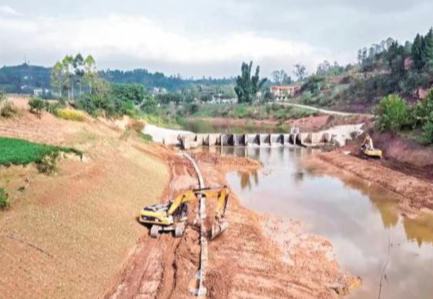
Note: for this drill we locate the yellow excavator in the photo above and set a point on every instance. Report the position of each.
(368, 149)
(172, 216)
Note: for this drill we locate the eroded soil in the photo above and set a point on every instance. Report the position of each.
(259, 256)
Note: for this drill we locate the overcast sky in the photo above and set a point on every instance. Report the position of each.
(202, 37)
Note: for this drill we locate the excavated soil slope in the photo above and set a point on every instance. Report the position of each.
(257, 257)
(67, 235)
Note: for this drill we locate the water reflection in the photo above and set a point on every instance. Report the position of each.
(246, 178)
(360, 219)
(419, 230)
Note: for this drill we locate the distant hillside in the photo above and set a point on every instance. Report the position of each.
(385, 68)
(158, 80)
(26, 78)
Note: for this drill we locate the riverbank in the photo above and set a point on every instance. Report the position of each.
(416, 194)
(77, 233)
(258, 256)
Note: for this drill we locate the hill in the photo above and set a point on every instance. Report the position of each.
(388, 67)
(26, 78)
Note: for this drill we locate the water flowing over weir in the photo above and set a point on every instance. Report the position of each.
(337, 136)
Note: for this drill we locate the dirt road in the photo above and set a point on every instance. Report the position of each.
(326, 111)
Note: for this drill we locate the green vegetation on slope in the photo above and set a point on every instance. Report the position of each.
(385, 68)
(4, 199)
(22, 152)
(245, 111)
(395, 115)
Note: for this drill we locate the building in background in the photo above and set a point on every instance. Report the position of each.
(284, 92)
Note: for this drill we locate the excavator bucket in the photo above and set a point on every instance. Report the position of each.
(218, 228)
(373, 153)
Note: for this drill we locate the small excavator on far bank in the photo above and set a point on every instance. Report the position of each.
(368, 149)
(173, 215)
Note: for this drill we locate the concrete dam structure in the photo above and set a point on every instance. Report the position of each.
(337, 136)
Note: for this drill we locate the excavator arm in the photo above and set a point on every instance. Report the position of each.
(172, 215)
(185, 197)
(221, 195)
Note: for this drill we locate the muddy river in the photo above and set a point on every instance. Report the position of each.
(371, 239)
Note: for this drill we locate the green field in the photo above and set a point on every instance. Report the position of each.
(21, 152)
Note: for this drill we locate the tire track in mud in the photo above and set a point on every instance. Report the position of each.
(151, 270)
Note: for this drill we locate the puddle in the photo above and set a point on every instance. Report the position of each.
(361, 220)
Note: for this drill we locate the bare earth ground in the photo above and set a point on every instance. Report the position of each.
(74, 235)
(65, 236)
(257, 257)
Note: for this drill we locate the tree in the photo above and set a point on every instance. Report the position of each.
(392, 113)
(280, 77)
(73, 75)
(247, 86)
(417, 51)
(300, 72)
(78, 65)
(90, 74)
(128, 92)
(427, 53)
(395, 57)
(422, 50)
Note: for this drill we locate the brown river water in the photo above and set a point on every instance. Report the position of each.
(370, 238)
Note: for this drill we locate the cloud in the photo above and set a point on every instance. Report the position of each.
(8, 11)
(127, 41)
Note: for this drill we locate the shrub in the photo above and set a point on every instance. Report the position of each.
(136, 125)
(36, 106)
(7, 109)
(48, 163)
(128, 92)
(146, 137)
(428, 132)
(392, 113)
(53, 107)
(70, 114)
(4, 199)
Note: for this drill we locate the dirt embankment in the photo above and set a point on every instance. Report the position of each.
(406, 168)
(67, 235)
(257, 257)
(416, 193)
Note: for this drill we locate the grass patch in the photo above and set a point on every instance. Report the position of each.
(21, 152)
(70, 114)
(146, 137)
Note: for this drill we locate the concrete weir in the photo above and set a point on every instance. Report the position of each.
(262, 140)
(336, 136)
